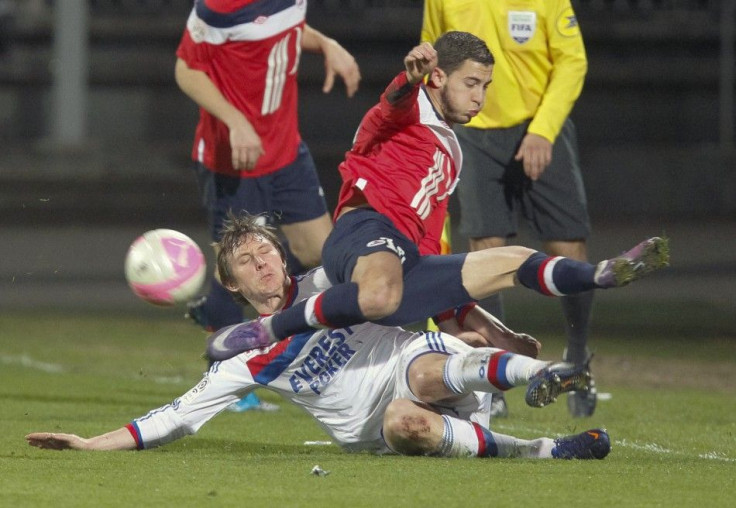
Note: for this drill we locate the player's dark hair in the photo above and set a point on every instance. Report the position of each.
(236, 229)
(453, 48)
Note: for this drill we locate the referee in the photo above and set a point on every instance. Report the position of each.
(520, 153)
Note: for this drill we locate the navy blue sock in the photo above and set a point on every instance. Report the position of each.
(434, 285)
(555, 275)
(336, 307)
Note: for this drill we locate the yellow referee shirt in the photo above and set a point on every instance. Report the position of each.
(540, 57)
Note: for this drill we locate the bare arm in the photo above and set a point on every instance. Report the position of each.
(244, 141)
(470, 337)
(119, 439)
(499, 335)
(337, 60)
(482, 329)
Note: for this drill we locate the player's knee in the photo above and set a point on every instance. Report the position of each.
(378, 300)
(406, 428)
(309, 256)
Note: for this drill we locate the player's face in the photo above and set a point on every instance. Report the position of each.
(463, 92)
(258, 270)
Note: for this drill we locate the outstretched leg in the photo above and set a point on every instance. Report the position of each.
(558, 276)
(410, 428)
(481, 274)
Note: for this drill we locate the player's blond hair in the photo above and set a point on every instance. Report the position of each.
(236, 229)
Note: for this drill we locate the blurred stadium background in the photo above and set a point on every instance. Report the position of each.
(96, 136)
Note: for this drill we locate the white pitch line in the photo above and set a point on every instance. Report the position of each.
(168, 380)
(648, 447)
(27, 361)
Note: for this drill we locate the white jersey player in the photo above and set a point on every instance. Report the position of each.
(370, 387)
(344, 378)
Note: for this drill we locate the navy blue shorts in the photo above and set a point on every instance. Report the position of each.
(291, 194)
(493, 188)
(432, 284)
(359, 233)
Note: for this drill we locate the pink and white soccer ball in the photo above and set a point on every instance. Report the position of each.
(165, 267)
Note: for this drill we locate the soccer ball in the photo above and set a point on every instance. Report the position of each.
(165, 267)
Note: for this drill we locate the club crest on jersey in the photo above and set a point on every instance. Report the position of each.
(522, 25)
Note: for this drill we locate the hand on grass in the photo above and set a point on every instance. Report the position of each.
(53, 441)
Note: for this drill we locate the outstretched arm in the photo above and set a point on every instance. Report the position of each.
(499, 335)
(119, 439)
(479, 328)
(337, 60)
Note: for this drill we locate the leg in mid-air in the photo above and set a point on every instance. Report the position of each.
(437, 283)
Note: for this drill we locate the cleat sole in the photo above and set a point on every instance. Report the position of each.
(544, 390)
(656, 255)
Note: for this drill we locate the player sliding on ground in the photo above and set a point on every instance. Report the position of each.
(397, 179)
(371, 387)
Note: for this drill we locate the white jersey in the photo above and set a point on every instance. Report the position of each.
(345, 378)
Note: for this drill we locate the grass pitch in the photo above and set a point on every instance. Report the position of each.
(670, 373)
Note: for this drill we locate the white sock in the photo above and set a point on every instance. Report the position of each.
(512, 447)
(462, 438)
(309, 315)
(489, 370)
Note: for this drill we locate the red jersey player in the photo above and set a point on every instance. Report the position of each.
(397, 177)
(238, 60)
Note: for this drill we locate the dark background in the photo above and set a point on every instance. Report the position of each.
(655, 153)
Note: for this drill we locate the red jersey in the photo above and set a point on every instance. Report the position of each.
(250, 50)
(405, 162)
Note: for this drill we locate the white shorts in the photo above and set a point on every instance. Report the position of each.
(474, 406)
